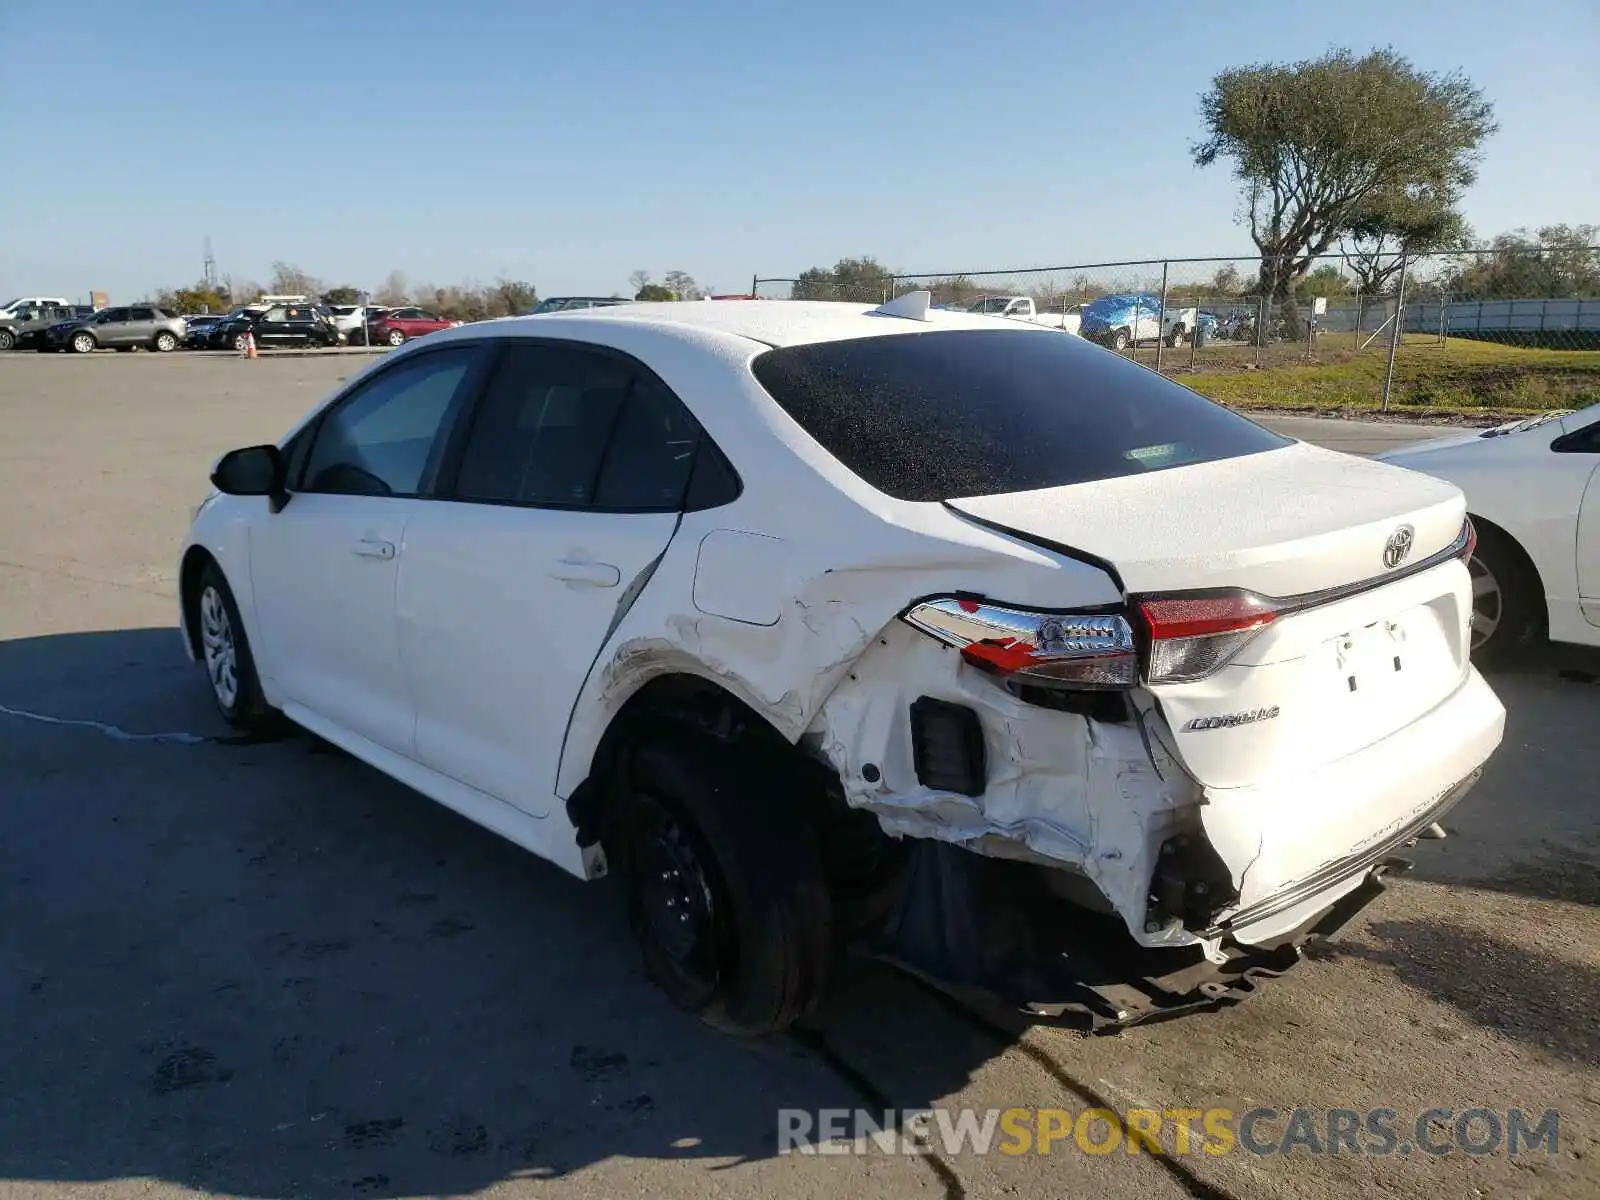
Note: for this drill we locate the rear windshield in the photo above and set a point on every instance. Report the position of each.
(938, 416)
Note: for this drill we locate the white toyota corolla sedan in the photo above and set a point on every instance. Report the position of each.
(1533, 488)
(971, 645)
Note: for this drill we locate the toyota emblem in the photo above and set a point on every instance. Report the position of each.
(1398, 548)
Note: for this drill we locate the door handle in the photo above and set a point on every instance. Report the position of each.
(373, 548)
(595, 574)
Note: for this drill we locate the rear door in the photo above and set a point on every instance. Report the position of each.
(569, 487)
(141, 326)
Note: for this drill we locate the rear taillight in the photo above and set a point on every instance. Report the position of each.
(1468, 540)
(1064, 650)
(1193, 636)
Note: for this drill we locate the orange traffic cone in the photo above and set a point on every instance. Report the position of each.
(250, 345)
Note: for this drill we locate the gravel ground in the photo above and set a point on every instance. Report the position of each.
(265, 970)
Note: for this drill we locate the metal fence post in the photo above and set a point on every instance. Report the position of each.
(1444, 304)
(1261, 323)
(754, 280)
(1161, 319)
(1194, 338)
(1361, 316)
(1394, 334)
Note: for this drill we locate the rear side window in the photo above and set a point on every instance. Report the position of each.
(567, 427)
(937, 416)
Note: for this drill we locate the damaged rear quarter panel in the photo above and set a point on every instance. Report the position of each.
(1063, 790)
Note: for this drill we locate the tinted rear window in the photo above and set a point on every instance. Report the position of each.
(936, 416)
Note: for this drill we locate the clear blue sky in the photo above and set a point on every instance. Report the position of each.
(568, 142)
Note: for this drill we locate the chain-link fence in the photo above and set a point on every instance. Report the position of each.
(1510, 328)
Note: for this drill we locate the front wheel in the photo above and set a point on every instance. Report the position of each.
(1506, 600)
(239, 342)
(83, 343)
(225, 652)
(7, 339)
(724, 885)
(1120, 340)
(1176, 338)
(166, 342)
(396, 337)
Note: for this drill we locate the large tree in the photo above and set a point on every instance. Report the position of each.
(1311, 141)
(1385, 227)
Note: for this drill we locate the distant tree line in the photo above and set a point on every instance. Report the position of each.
(458, 302)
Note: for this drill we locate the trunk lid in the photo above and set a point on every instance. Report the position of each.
(1362, 646)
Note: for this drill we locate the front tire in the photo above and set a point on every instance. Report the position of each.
(724, 884)
(396, 337)
(1176, 338)
(1507, 603)
(8, 340)
(83, 343)
(225, 653)
(1120, 340)
(166, 342)
(239, 342)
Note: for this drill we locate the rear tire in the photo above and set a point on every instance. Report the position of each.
(1507, 600)
(723, 883)
(1176, 338)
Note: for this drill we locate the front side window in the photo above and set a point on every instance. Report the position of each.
(382, 439)
(113, 316)
(954, 413)
(570, 427)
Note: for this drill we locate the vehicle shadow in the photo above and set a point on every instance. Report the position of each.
(1531, 827)
(262, 969)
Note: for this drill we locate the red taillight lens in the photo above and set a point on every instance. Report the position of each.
(1193, 636)
(1469, 536)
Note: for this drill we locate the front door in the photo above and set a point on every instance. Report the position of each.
(1586, 442)
(325, 566)
(568, 491)
(111, 327)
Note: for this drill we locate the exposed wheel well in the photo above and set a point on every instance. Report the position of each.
(195, 561)
(1533, 578)
(857, 854)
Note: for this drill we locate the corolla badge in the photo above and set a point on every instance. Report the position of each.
(1398, 548)
(1231, 720)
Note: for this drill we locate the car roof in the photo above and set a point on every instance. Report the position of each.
(772, 322)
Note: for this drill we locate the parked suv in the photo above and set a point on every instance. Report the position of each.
(140, 325)
(24, 328)
(280, 325)
(400, 325)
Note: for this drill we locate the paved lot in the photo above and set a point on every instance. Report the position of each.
(264, 970)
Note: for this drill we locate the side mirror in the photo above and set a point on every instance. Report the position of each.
(252, 471)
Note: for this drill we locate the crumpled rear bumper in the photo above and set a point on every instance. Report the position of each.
(988, 932)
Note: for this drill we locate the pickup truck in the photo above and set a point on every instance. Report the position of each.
(1022, 308)
(1125, 319)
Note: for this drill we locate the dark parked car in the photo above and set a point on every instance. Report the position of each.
(402, 324)
(280, 325)
(132, 328)
(200, 328)
(24, 329)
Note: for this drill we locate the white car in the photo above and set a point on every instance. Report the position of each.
(973, 645)
(1533, 489)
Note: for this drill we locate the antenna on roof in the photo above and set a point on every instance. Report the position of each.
(913, 305)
